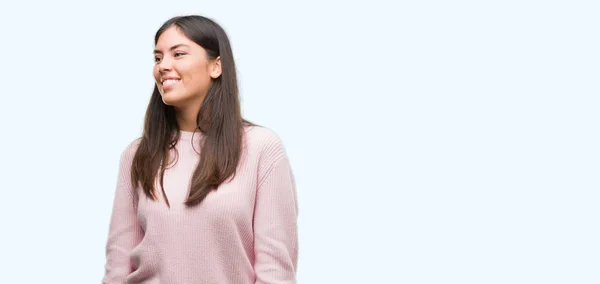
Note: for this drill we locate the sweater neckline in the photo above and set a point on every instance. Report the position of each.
(187, 135)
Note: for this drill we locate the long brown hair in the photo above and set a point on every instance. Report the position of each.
(219, 119)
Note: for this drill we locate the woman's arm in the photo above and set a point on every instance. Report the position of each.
(275, 219)
(124, 230)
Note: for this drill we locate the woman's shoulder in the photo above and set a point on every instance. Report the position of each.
(263, 141)
(260, 134)
(129, 151)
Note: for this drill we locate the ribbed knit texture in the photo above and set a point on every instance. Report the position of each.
(244, 232)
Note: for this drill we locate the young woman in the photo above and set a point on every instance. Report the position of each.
(204, 196)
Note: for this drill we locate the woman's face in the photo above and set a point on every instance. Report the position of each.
(183, 71)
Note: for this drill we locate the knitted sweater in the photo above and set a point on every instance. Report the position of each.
(244, 232)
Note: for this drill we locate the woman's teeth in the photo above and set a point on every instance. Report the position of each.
(169, 82)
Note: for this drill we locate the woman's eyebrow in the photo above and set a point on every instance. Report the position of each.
(172, 47)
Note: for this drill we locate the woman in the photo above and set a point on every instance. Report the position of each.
(223, 209)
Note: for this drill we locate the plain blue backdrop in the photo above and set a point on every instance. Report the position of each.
(432, 141)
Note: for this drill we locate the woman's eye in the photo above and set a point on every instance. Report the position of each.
(179, 54)
(156, 59)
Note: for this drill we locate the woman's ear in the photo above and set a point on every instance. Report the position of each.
(215, 68)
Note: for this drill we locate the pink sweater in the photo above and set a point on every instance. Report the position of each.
(244, 232)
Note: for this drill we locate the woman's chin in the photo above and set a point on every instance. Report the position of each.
(171, 99)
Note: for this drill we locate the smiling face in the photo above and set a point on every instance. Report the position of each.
(183, 70)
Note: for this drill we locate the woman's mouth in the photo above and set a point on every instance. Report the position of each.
(169, 83)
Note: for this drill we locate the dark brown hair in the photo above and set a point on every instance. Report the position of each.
(219, 119)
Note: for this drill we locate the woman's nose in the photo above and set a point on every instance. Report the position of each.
(164, 65)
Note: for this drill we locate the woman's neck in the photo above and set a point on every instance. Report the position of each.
(186, 119)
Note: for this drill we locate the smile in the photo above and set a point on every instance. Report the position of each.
(169, 82)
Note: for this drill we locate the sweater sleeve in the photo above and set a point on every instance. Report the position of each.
(124, 231)
(275, 219)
